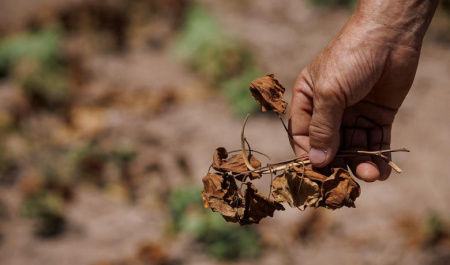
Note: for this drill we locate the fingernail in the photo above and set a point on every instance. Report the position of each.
(317, 156)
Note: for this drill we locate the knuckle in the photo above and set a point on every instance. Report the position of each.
(303, 84)
(327, 92)
(332, 94)
(320, 133)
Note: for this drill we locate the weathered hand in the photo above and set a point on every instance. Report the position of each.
(348, 96)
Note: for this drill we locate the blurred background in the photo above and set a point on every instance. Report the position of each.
(110, 112)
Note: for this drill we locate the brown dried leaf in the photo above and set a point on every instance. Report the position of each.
(212, 185)
(315, 176)
(310, 173)
(339, 190)
(220, 193)
(257, 206)
(234, 164)
(229, 213)
(220, 155)
(296, 191)
(221, 186)
(269, 94)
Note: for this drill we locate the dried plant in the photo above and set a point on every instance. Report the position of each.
(292, 181)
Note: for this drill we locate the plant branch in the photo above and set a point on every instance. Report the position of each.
(244, 153)
(342, 154)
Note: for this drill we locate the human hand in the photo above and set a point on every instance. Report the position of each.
(348, 96)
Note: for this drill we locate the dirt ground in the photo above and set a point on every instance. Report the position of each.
(284, 35)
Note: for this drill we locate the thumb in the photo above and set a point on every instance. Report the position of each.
(324, 137)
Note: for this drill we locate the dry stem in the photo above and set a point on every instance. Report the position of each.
(244, 153)
(284, 165)
(297, 162)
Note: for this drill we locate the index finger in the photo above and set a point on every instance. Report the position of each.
(300, 115)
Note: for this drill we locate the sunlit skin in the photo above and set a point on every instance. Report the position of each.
(362, 76)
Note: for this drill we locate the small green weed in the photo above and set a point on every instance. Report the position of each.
(222, 240)
(40, 47)
(48, 209)
(242, 102)
(34, 60)
(219, 58)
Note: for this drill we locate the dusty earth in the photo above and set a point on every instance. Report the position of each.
(284, 36)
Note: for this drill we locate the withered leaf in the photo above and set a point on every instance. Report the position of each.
(310, 173)
(315, 176)
(269, 94)
(220, 193)
(220, 185)
(339, 190)
(257, 207)
(296, 191)
(212, 185)
(234, 164)
(229, 213)
(220, 155)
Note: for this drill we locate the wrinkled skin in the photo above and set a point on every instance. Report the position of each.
(347, 98)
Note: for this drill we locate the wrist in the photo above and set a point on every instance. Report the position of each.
(396, 22)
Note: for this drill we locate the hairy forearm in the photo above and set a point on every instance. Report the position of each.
(400, 22)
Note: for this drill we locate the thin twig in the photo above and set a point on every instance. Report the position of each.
(271, 182)
(244, 153)
(301, 179)
(284, 166)
(287, 130)
(359, 152)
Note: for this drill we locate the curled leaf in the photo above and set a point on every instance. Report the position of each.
(222, 186)
(257, 206)
(220, 155)
(234, 164)
(269, 94)
(339, 190)
(315, 176)
(229, 213)
(296, 190)
(220, 193)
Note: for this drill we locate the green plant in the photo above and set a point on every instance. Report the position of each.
(46, 85)
(123, 154)
(437, 229)
(41, 47)
(211, 52)
(221, 59)
(46, 190)
(179, 203)
(236, 91)
(48, 209)
(222, 240)
(36, 63)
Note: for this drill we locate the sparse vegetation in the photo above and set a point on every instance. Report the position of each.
(221, 240)
(218, 57)
(42, 48)
(103, 133)
(48, 210)
(35, 62)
